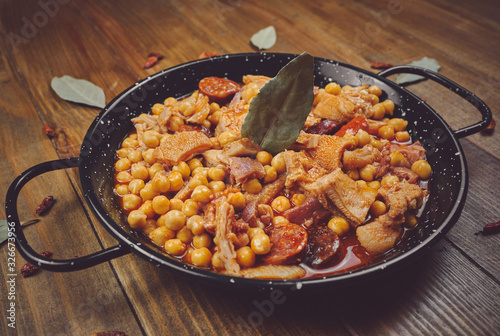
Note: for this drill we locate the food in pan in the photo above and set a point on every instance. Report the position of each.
(346, 192)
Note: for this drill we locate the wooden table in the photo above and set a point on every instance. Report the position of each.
(453, 290)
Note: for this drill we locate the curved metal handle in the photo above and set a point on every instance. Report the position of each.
(452, 86)
(65, 265)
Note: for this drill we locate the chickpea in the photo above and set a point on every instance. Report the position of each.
(149, 156)
(187, 108)
(352, 138)
(252, 186)
(202, 194)
(182, 168)
(386, 132)
(175, 247)
(122, 152)
(176, 204)
(278, 162)
(203, 240)
(190, 208)
(346, 88)
(252, 232)
(411, 221)
(196, 224)
(173, 220)
(378, 111)
(147, 208)
(134, 156)
(237, 200)
(136, 219)
(149, 227)
(216, 261)
(363, 138)
(398, 124)
(375, 90)
(374, 100)
(160, 182)
(319, 96)
(203, 171)
(353, 173)
(214, 107)
(227, 137)
(124, 177)
(281, 203)
(157, 109)
(332, 88)
(389, 179)
(298, 199)
(160, 235)
(176, 181)
(277, 220)
(398, 159)
(271, 174)
(422, 168)
(214, 118)
(362, 183)
(264, 158)
(134, 136)
(155, 168)
(121, 189)
(148, 192)
(378, 208)
(170, 101)
(193, 164)
(131, 202)
(367, 173)
(403, 136)
(261, 244)
(389, 106)
(376, 144)
(339, 225)
(201, 257)
(216, 174)
(374, 184)
(161, 204)
(130, 143)
(206, 123)
(139, 171)
(216, 186)
(151, 139)
(198, 180)
(174, 123)
(185, 235)
(245, 256)
(135, 186)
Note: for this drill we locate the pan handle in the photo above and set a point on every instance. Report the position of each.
(24, 248)
(452, 86)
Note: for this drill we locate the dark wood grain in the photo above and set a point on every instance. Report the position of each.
(453, 290)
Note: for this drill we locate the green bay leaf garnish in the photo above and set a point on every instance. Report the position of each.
(278, 113)
(78, 91)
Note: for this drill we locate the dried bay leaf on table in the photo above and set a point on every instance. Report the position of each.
(278, 113)
(264, 38)
(78, 91)
(426, 63)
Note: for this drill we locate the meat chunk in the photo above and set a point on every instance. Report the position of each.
(325, 126)
(243, 169)
(349, 197)
(301, 168)
(360, 157)
(310, 212)
(287, 241)
(322, 245)
(405, 174)
(335, 107)
(329, 151)
(182, 147)
(242, 147)
(269, 191)
(215, 158)
(231, 118)
(224, 219)
(274, 272)
(381, 234)
(413, 152)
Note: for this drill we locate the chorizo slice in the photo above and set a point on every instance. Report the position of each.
(219, 90)
(322, 245)
(287, 241)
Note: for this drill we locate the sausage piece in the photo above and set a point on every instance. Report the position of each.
(219, 90)
(287, 241)
(322, 243)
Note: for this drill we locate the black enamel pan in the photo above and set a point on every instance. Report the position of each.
(448, 185)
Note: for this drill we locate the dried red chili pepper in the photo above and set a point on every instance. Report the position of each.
(354, 126)
(491, 127)
(153, 58)
(206, 55)
(48, 130)
(29, 269)
(109, 333)
(491, 228)
(380, 65)
(46, 204)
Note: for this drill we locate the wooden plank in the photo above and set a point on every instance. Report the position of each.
(442, 294)
(50, 303)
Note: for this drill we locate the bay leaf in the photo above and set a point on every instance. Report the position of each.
(425, 62)
(278, 113)
(264, 38)
(4, 230)
(78, 91)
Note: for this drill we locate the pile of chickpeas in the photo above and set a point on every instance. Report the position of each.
(147, 189)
